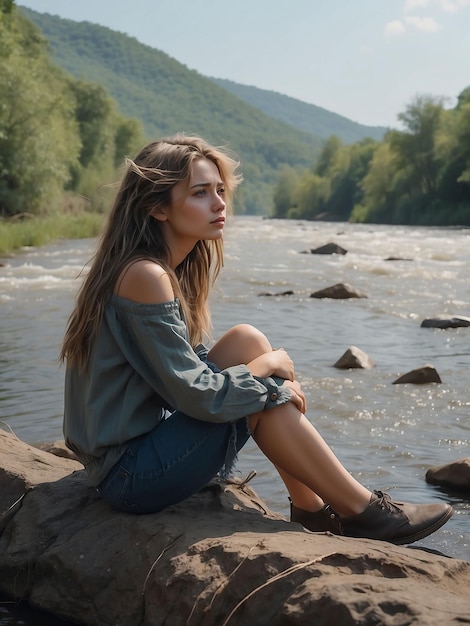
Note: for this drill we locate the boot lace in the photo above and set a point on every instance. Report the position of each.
(385, 502)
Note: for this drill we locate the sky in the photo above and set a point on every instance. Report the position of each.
(364, 59)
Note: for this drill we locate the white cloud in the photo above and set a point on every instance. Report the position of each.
(425, 24)
(423, 16)
(395, 28)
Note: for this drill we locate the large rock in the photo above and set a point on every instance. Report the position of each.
(339, 291)
(221, 558)
(456, 474)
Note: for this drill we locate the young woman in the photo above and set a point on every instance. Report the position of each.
(152, 413)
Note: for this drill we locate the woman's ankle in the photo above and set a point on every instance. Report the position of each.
(310, 506)
(354, 507)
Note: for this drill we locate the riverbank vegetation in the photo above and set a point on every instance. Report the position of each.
(61, 140)
(32, 231)
(418, 175)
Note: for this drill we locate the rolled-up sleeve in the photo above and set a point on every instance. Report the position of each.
(153, 338)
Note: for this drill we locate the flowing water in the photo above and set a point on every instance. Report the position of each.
(386, 435)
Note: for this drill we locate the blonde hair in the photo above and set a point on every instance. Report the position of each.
(132, 233)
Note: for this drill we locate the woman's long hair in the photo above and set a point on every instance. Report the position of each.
(132, 233)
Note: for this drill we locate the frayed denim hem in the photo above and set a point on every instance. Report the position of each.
(231, 456)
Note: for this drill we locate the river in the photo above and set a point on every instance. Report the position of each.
(386, 435)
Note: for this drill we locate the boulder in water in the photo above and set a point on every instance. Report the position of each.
(288, 292)
(446, 322)
(354, 358)
(420, 376)
(456, 474)
(340, 291)
(329, 248)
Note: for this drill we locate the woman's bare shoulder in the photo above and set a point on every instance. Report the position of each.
(145, 281)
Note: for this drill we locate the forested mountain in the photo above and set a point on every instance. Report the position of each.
(306, 117)
(168, 97)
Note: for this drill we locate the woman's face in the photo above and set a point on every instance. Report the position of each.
(197, 207)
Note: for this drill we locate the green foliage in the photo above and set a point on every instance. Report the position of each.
(38, 231)
(378, 187)
(414, 147)
(36, 148)
(106, 137)
(284, 199)
(332, 189)
(311, 195)
(55, 133)
(417, 175)
(169, 98)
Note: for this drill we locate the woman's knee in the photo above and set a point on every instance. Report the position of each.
(252, 338)
(241, 344)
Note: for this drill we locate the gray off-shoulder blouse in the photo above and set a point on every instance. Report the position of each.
(142, 363)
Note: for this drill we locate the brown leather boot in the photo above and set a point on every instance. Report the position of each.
(317, 521)
(397, 522)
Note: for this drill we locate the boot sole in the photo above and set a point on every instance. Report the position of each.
(425, 531)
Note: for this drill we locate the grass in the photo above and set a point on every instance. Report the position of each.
(38, 231)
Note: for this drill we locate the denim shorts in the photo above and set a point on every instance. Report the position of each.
(173, 461)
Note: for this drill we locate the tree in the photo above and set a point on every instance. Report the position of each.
(106, 138)
(414, 147)
(311, 195)
(128, 138)
(453, 148)
(378, 187)
(284, 192)
(328, 156)
(38, 141)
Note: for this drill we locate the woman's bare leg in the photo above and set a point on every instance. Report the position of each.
(311, 472)
(290, 441)
(301, 495)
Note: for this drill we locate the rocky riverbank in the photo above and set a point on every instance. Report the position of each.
(220, 558)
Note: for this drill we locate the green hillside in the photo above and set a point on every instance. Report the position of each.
(168, 97)
(306, 117)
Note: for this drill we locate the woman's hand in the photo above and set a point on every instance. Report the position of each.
(298, 396)
(283, 366)
(274, 363)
